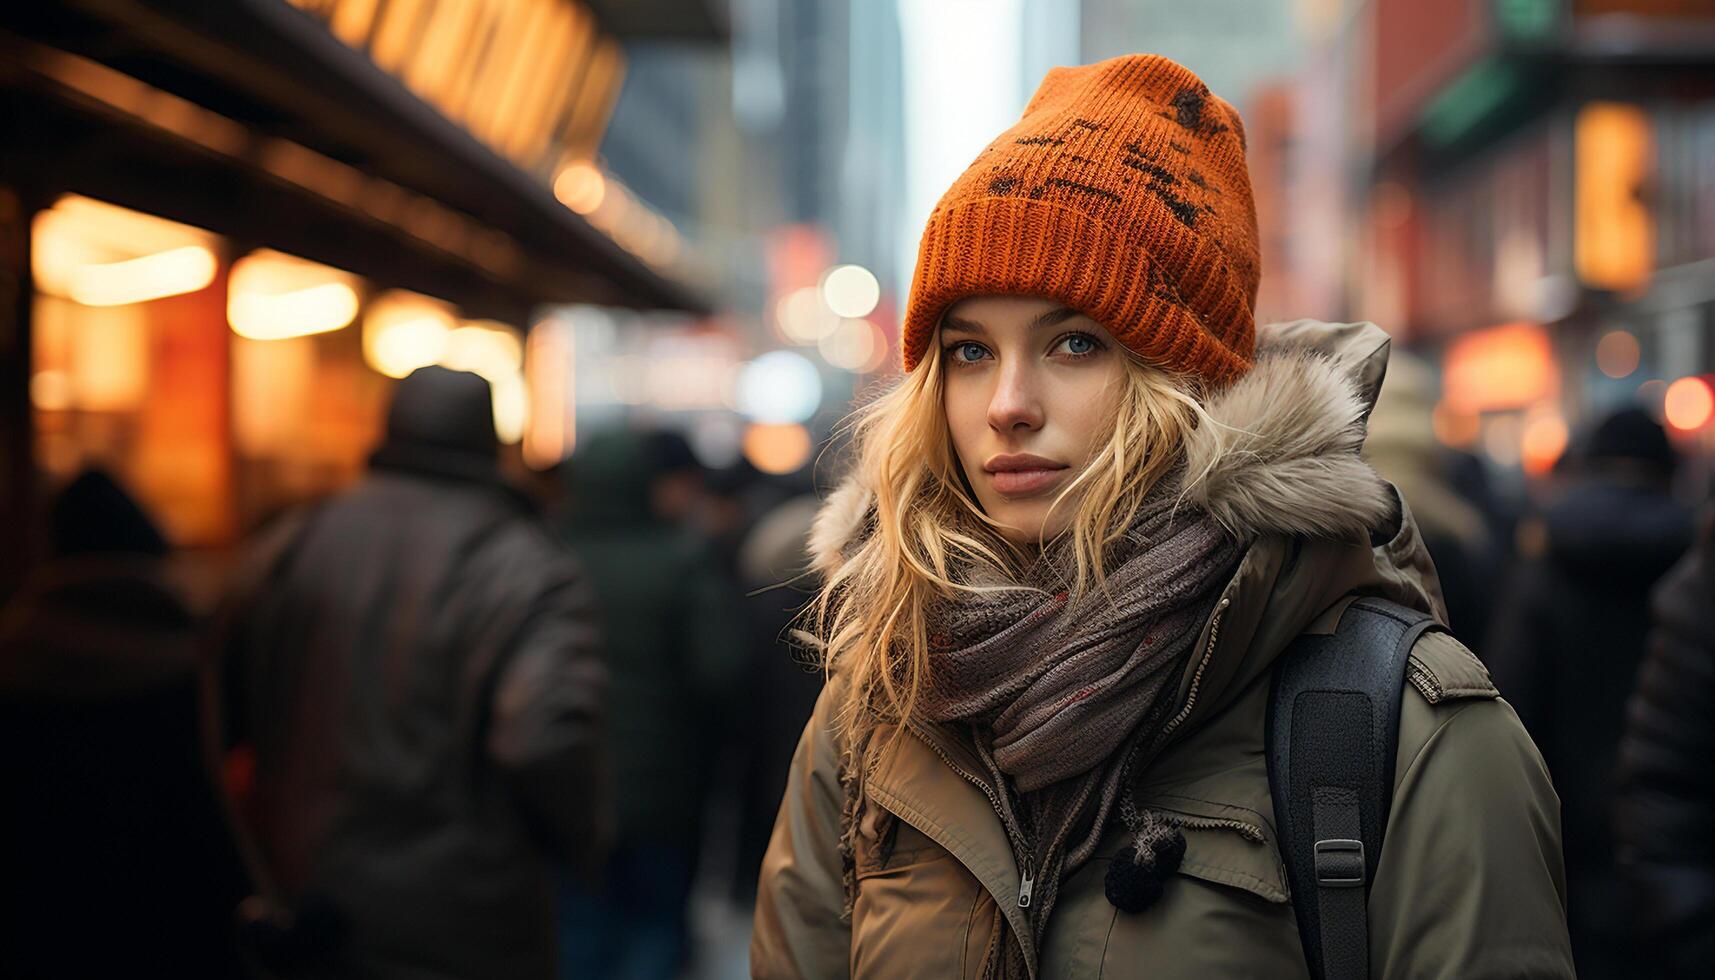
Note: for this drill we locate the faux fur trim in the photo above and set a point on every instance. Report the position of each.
(1281, 456)
(840, 521)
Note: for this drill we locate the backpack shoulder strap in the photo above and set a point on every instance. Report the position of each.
(1333, 729)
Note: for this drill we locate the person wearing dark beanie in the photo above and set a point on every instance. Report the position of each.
(412, 668)
(1570, 629)
(1076, 544)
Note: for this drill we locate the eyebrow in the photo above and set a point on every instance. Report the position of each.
(1059, 314)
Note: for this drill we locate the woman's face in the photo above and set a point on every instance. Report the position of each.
(1030, 389)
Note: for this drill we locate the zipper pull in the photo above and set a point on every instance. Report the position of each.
(1025, 887)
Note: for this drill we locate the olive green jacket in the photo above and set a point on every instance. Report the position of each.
(1469, 882)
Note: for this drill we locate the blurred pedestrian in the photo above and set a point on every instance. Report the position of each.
(1665, 818)
(1569, 633)
(1403, 448)
(413, 666)
(114, 853)
(783, 674)
(1102, 519)
(674, 643)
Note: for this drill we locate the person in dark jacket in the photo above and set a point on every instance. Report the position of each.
(1665, 817)
(414, 666)
(1566, 645)
(673, 637)
(113, 850)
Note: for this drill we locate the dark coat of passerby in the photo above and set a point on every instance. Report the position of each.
(414, 665)
(114, 853)
(1566, 644)
(774, 563)
(673, 641)
(1665, 817)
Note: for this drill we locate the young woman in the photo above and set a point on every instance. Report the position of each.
(1078, 536)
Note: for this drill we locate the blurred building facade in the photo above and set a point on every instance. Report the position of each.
(780, 158)
(225, 227)
(1521, 190)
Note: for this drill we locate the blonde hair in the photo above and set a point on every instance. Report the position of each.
(930, 540)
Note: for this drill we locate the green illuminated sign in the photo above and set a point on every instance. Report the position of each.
(1527, 20)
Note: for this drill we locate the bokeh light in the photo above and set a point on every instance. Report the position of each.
(851, 291)
(1617, 354)
(853, 345)
(777, 449)
(404, 331)
(581, 187)
(779, 387)
(274, 296)
(803, 317)
(1688, 404)
(1544, 440)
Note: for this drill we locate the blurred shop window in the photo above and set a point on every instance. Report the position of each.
(305, 410)
(129, 361)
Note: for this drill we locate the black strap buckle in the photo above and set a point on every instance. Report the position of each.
(1340, 863)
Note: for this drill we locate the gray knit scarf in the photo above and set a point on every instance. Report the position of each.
(1063, 694)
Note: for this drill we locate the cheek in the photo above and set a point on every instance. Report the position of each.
(967, 415)
(1086, 411)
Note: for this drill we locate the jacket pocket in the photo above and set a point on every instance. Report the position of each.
(918, 912)
(1226, 844)
(1225, 914)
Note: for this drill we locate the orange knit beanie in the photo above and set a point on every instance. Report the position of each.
(1122, 193)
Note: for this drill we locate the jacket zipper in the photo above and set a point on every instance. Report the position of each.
(1027, 883)
(1197, 677)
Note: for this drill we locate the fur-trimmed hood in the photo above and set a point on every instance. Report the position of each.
(1281, 470)
(1281, 458)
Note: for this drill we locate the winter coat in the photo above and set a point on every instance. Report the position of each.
(114, 852)
(1469, 882)
(673, 639)
(1666, 811)
(1565, 648)
(414, 665)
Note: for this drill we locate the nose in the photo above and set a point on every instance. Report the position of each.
(1014, 405)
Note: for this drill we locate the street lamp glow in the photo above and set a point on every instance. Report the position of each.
(852, 345)
(779, 387)
(803, 317)
(851, 291)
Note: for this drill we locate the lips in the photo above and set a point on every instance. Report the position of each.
(1023, 475)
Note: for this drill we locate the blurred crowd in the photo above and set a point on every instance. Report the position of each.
(447, 724)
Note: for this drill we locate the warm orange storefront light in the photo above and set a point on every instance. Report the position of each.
(1614, 238)
(1689, 404)
(274, 296)
(1458, 430)
(149, 277)
(1544, 441)
(1500, 368)
(777, 449)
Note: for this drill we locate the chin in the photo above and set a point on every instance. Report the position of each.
(1024, 525)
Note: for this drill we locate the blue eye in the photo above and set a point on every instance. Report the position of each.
(967, 352)
(1079, 344)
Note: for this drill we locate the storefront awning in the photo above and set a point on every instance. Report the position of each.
(248, 117)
